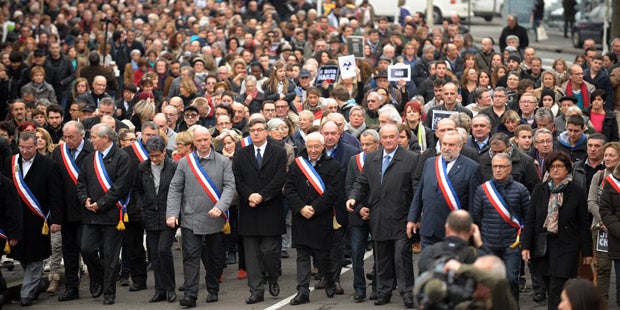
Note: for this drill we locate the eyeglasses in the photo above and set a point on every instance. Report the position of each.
(281, 107)
(191, 115)
(527, 102)
(545, 141)
(501, 167)
(371, 100)
(257, 130)
(557, 167)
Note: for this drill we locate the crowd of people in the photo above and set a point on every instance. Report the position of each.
(202, 125)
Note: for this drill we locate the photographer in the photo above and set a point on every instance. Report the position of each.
(459, 228)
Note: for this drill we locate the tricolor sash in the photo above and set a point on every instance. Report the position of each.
(500, 205)
(359, 160)
(445, 185)
(27, 197)
(613, 182)
(313, 177)
(203, 178)
(140, 151)
(106, 183)
(69, 163)
(246, 141)
(7, 247)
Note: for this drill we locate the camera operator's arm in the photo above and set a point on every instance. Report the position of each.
(501, 297)
(477, 239)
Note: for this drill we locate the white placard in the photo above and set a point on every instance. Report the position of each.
(399, 72)
(347, 66)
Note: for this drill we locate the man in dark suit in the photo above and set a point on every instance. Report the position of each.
(133, 235)
(337, 148)
(387, 171)
(36, 176)
(260, 173)
(447, 180)
(102, 220)
(11, 222)
(312, 202)
(106, 107)
(70, 157)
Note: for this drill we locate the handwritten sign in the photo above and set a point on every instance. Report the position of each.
(347, 66)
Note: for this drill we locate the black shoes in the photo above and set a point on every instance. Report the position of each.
(382, 300)
(254, 298)
(539, 298)
(96, 289)
(26, 302)
(158, 297)
(171, 296)
(330, 291)
(320, 285)
(188, 302)
(137, 287)
(339, 290)
(408, 300)
(69, 294)
(299, 299)
(359, 297)
(212, 297)
(373, 296)
(108, 300)
(274, 288)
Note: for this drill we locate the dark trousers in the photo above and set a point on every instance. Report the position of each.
(555, 286)
(209, 249)
(359, 237)
(241, 249)
(339, 246)
(322, 260)
(101, 270)
(262, 255)
(71, 235)
(160, 248)
(134, 236)
(394, 261)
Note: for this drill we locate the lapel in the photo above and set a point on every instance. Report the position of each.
(397, 156)
(32, 167)
(86, 149)
(251, 152)
(267, 156)
(458, 165)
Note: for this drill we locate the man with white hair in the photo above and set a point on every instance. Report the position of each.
(389, 115)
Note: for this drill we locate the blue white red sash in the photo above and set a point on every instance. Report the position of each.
(246, 141)
(203, 178)
(69, 163)
(500, 205)
(313, 177)
(24, 192)
(445, 185)
(140, 151)
(106, 183)
(613, 182)
(359, 160)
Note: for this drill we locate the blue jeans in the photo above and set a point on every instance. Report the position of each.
(359, 237)
(512, 260)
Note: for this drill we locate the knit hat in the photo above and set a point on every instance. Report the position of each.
(547, 92)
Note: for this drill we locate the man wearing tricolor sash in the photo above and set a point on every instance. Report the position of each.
(134, 228)
(358, 226)
(37, 182)
(498, 208)
(70, 156)
(260, 173)
(201, 191)
(11, 221)
(103, 186)
(385, 189)
(312, 187)
(446, 183)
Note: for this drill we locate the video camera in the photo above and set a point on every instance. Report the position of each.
(439, 290)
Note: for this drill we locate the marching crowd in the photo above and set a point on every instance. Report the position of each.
(209, 126)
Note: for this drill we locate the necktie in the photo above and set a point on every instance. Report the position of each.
(72, 151)
(386, 162)
(259, 158)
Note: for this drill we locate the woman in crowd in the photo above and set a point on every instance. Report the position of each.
(510, 121)
(412, 115)
(580, 294)
(497, 74)
(252, 97)
(560, 69)
(602, 265)
(602, 120)
(549, 81)
(45, 145)
(469, 82)
(313, 102)
(547, 99)
(150, 192)
(556, 227)
(185, 145)
(187, 90)
(126, 137)
(42, 88)
(277, 86)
